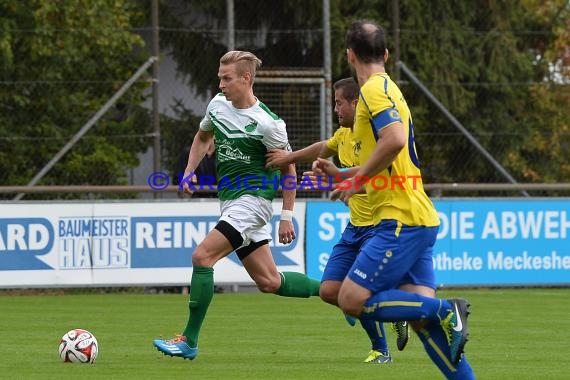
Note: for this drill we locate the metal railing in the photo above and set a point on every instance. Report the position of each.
(431, 187)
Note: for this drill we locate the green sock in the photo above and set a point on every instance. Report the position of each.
(201, 293)
(294, 284)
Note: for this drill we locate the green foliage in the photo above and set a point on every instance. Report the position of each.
(479, 62)
(502, 69)
(61, 61)
(547, 146)
(343, 13)
(491, 65)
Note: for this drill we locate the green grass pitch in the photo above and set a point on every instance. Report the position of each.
(515, 334)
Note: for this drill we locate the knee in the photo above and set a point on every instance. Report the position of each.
(268, 284)
(349, 307)
(353, 310)
(329, 294)
(202, 258)
(328, 297)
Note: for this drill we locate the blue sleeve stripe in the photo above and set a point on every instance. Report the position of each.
(374, 131)
(412, 145)
(386, 92)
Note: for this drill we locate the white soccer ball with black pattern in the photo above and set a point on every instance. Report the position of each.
(78, 346)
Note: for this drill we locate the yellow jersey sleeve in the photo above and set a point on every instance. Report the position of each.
(334, 141)
(381, 108)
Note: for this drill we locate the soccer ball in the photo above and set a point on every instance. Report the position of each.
(78, 346)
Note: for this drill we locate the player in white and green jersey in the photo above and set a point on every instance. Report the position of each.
(244, 129)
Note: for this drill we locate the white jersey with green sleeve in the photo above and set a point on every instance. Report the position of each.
(242, 138)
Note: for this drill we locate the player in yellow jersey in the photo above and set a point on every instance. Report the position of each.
(393, 278)
(359, 229)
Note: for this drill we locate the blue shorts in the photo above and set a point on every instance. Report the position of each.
(345, 251)
(395, 255)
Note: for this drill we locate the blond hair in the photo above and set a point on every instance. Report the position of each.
(244, 61)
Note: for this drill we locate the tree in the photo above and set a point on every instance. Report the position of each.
(61, 61)
(547, 147)
(501, 68)
(491, 66)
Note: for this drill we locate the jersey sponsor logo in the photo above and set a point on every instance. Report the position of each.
(226, 152)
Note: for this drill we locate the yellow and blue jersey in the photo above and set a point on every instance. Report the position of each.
(398, 192)
(347, 149)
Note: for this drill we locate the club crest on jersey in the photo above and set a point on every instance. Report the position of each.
(356, 148)
(251, 126)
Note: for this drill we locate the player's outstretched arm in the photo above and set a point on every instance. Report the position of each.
(202, 142)
(328, 168)
(281, 158)
(392, 140)
(286, 229)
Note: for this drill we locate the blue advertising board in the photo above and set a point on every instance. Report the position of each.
(480, 242)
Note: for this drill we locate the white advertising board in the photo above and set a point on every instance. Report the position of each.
(121, 243)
